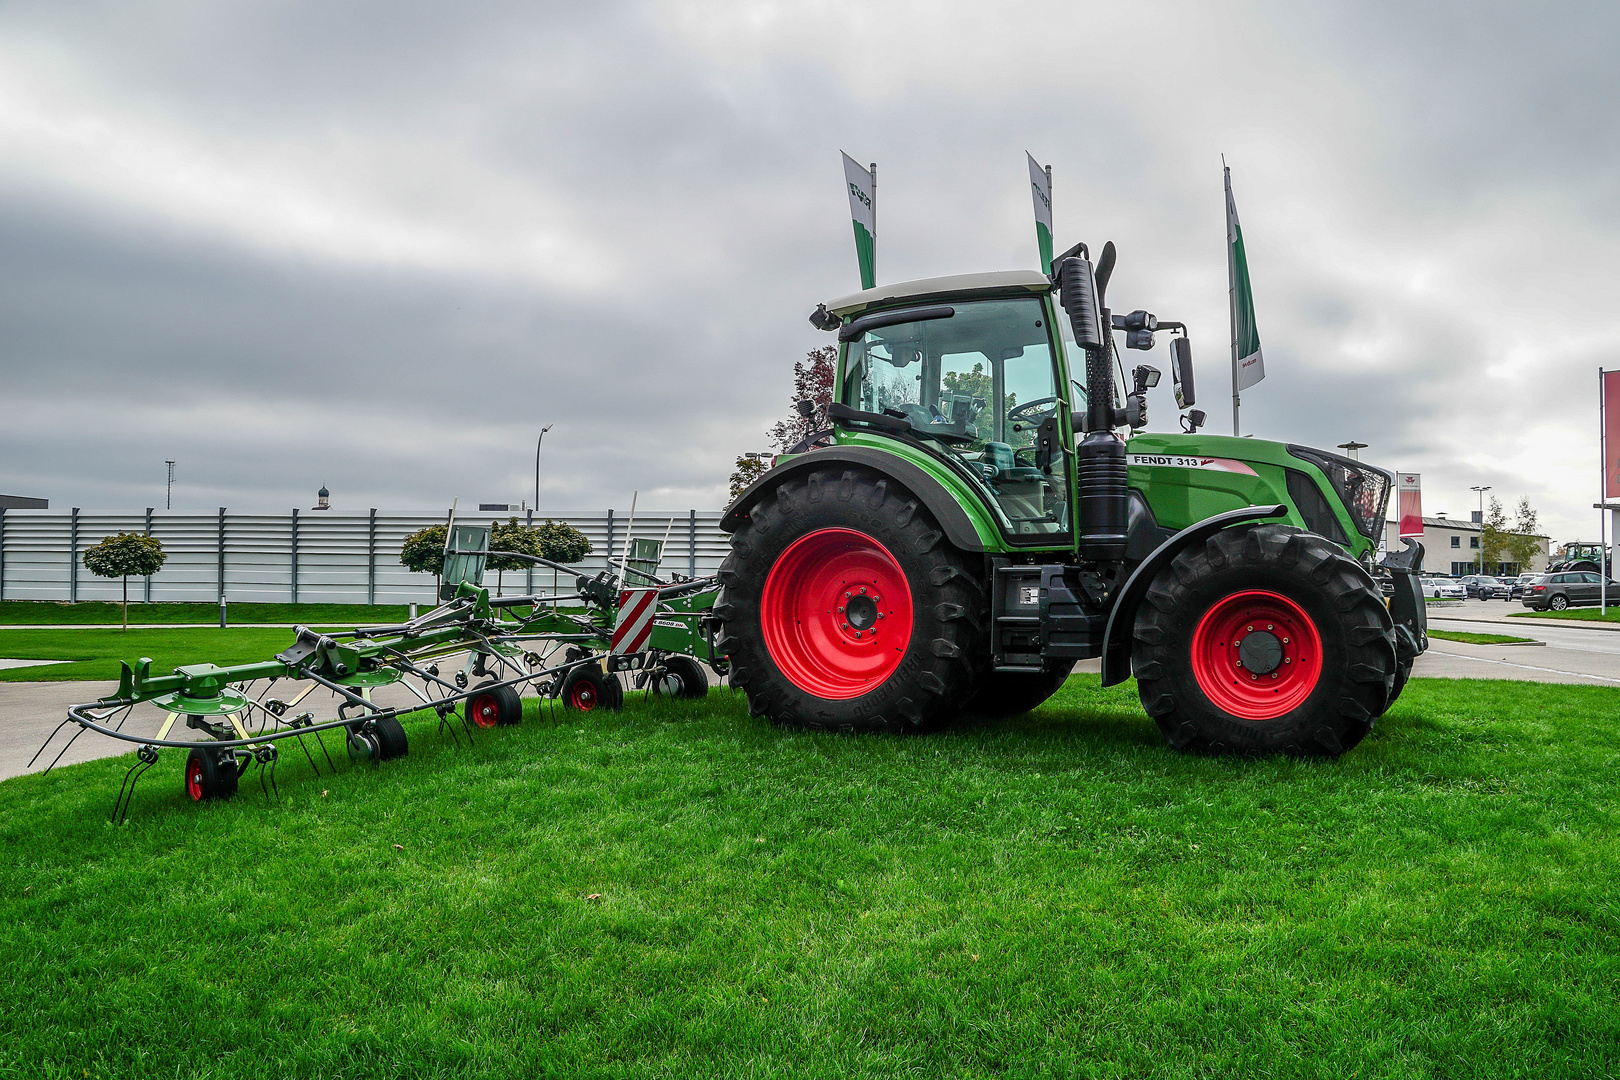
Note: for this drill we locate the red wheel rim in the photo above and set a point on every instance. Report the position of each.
(1268, 629)
(836, 613)
(583, 695)
(484, 710)
(194, 780)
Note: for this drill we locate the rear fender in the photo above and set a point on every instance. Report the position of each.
(944, 504)
(1116, 657)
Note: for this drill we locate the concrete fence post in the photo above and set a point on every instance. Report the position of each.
(295, 555)
(73, 557)
(222, 555)
(371, 559)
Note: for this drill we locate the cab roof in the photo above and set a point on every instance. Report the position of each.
(1015, 280)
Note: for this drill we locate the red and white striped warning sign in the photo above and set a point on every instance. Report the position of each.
(637, 608)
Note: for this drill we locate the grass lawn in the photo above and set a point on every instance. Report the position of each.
(1473, 639)
(679, 890)
(1580, 614)
(46, 612)
(96, 653)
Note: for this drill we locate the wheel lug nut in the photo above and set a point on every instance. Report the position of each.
(1287, 660)
(1270, 627)
(1252, 678)
(1273, 674)
(846, 626)
(1285, 641)
(857, 634)
(840, 610)
(1251, 629)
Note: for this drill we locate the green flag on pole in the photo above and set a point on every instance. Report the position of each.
(1248, 366)
(1040, 180)
(862, 186)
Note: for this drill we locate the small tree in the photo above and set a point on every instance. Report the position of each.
(124, 555)
(1523, 544)
(748, 470)
(561, 542)
(1493, 535)
(512, 537)
(423, 552)
(812, 381)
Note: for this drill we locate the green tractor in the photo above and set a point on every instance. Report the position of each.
(972, 523)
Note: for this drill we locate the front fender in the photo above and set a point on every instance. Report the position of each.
(1116, 657)
(944, 504)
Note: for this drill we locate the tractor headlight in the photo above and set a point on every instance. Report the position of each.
(1363, 489)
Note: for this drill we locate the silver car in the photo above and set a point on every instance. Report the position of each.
(1439, 588)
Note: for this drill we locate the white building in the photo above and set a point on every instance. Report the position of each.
(1451, 546)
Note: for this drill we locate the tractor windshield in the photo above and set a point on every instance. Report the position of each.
(979, 385)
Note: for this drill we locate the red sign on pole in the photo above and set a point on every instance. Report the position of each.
(1410, 489)
(1611, 434)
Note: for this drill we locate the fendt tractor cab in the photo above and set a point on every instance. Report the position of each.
(1578, 555)
(972, 523)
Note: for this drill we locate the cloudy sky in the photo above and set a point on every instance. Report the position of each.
(378, 245)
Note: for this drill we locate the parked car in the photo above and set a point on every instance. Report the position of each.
(1560, 591)
(1441, 588)
(1517, 585)
(1478, 586)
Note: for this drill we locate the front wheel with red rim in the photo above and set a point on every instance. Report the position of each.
(1256, 654)
(1264, 639)
(586, 689)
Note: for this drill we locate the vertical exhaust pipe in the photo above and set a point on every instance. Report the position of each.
(1102, 477)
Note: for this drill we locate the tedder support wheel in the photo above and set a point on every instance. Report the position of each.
(391, 741)
(842, 607)
(683, 678)
(586, 688)
(1264, 639)
(207, 777)
(1005, 693)
(495, 706)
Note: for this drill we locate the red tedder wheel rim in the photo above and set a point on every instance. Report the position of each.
(582, 695)
(836, 613)
(194, 786)
(485, 710)
(1256, 655)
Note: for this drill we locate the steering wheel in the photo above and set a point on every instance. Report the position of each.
(1019, 412)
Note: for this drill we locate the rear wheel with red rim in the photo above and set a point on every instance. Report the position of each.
(1264, 639)
(842, 607)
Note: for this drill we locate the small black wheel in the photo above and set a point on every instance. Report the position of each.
(1006, 693)
(209, 775)
(1559, 603)
(363, 744)
(495, 706)
(615, 692)
(586, 689)
(683, 678)
(391, 741)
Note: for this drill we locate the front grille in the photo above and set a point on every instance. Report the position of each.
(1363, 489)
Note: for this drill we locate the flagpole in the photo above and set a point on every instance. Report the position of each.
(874, 222)
(1231, 295)
(1603, 498)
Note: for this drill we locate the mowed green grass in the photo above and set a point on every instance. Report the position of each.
(1478, 639)
(1579, 614)
(45, 612)
(679, 890)
(95, 654)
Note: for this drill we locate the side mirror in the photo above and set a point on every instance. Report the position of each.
(1078, 292)
(1181, 372)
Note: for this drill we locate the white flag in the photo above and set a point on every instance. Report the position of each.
(1041, 184)
(1249, 367)
(863, 209)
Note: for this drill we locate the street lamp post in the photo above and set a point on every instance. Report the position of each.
(537, 443)
(1482, 489)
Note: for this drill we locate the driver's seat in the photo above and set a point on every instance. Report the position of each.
(1007, 468)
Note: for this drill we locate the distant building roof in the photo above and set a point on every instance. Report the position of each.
(1460, 524)
(23, 502)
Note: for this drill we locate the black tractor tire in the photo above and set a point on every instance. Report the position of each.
(1320, 670)
(493, 705)
(1403, 671)
(586, 689)
(1007, 693)
(1559, 603)
(816, 565)
(209, 776)
(694, 682)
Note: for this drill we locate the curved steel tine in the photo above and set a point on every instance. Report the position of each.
(47, 742)
(307, 754)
